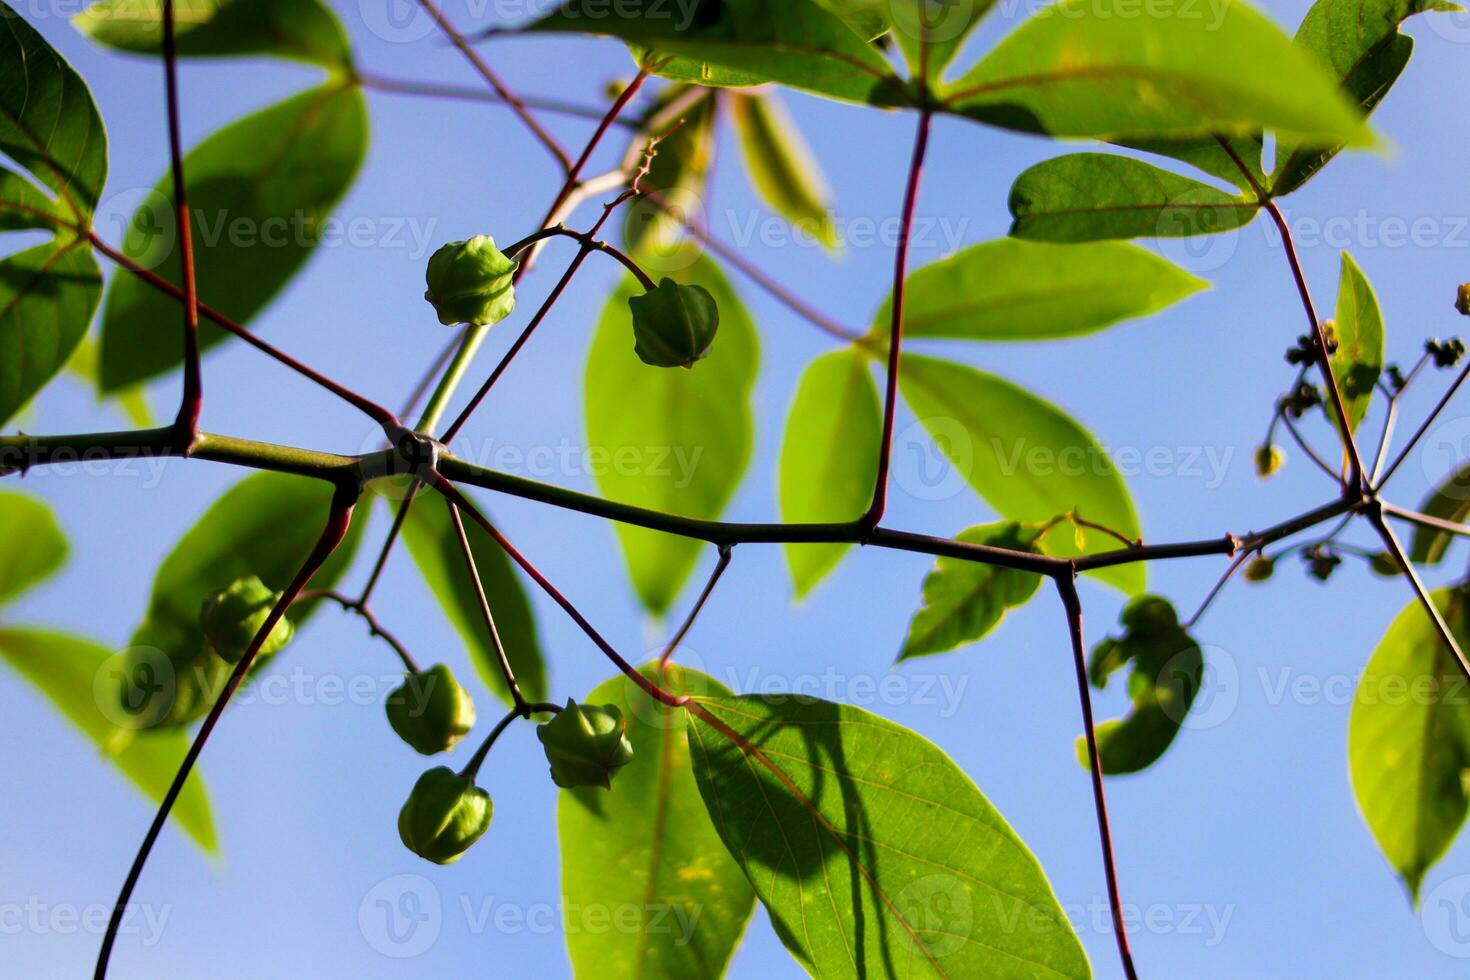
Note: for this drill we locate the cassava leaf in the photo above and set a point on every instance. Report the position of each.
(874, 854)
(648, 846)
(829, 456)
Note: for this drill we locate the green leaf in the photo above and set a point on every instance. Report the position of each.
(873, 852)
(48, 295)
(1084, 197)
(674, 440)
(1027, 458)
(931, 32)
(259, 193)
(781, 166)
(741, 42)
(678, 172)
(1216, 156)
(305, 30)
(829, 457)
(48, 122)
(32, 545)
(1358, 329)
(1009, 289)
(869, 18)
(435, 547)
(647, 845)
(1409, 739)
(1359, 42)
(1167, 668)
(1449, 501)
(1095, 68)
(69, 671)
(965, 600)
(265, 525)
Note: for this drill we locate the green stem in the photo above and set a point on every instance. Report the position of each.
(474, 336)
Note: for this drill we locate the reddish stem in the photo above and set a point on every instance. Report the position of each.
(338, 522)
(473, 57)
(895, 339)
(459, 500)
(485, 613)
(368, 407)
(709, 587)
(1073, 604)
(192, 402)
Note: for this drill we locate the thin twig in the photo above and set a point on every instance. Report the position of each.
(1426, 520)
(485, 613)
(510, 98)
(1229, 573)
(697, 608)
(1424, 427)
(879, 503)
(472, 768)
(399, 86)
(1301, 443)
(364, 612)
(192, 402)
(1067, 587)
(1425, 599)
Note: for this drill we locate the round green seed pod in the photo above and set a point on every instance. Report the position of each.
(1269, 459)
(444, 816)
(674, 325)
(586, 745)
(232, 616)
(431, 711)
(470, 282)
(1259, 569)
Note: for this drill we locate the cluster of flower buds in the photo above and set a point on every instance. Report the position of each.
(1305, 351)
(1446, 353)
(1321, 561)
(1304, 398)
(231, 618)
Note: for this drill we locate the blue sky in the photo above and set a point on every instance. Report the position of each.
(1242, 851)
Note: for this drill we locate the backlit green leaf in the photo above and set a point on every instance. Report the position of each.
(965, 600)
(874, 854)
(1166, 668)
(781, 166)
(1409, 739)
(1358, 41)
(646, 849)
(435, 547)
(70, 671)
(1010, 289)
(48, 295)
(1096, 68)
(741, 42)
(1084, 197)
(259, 192)
(1358, 330)
(305, 30)
(675, 440)
(1027, 458)
(32, 545)
(829, 456)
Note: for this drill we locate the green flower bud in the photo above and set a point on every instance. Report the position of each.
(231, 617)
(430, 711)
(444, 816)
(1386, 565)
(1259, 569)
(1269, 459)
(470, 282)
(585, 745)
(1462, 299)
(673, 324)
